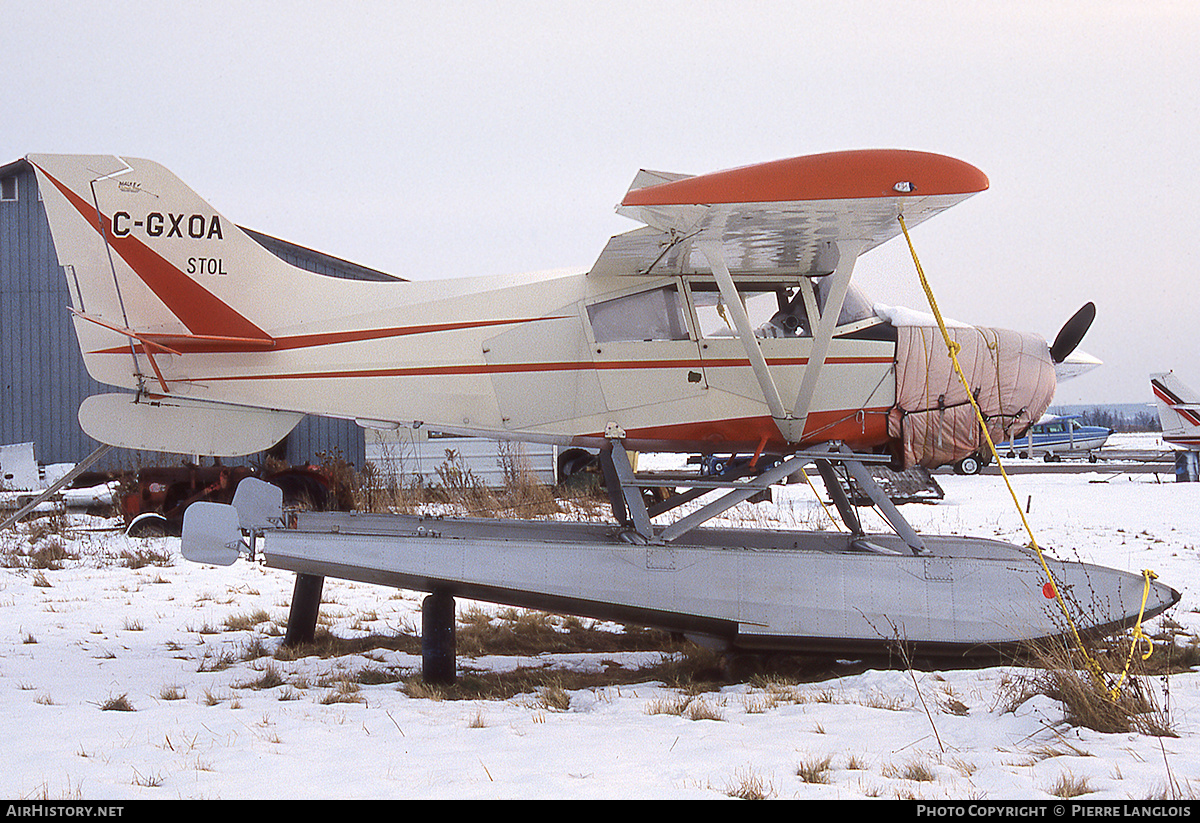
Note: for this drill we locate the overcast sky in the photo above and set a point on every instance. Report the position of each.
(449, 139)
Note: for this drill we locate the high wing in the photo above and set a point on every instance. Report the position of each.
(793, 216)
(804, 216)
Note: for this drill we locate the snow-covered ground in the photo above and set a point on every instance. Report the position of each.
(172, 640)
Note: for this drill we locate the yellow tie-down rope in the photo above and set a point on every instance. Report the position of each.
(1139, 637)
(953, 348)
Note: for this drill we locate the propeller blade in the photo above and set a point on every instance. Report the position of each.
(1072, 333)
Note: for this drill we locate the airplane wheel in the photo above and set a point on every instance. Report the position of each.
(968, 465)
(574, 462)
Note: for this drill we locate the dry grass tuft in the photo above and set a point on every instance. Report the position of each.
(117, 704)
(700, 709)
(326, 645)
(1069, 786)
(146, 557)
(517, 631)
(816, 770)
(1100, 701)
(246, 622)
(49, 554)
(750, 786)
(269, 679)
(915, 770)
(554, 697)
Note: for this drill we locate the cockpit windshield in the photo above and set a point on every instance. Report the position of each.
(650, 315)
(857, 306)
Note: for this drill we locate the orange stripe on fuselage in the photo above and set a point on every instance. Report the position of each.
(860, 429)
(513, 368)
(195, 345)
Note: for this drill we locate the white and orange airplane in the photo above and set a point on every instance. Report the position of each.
(726, 324)
(212, 333)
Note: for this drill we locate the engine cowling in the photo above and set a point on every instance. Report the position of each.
(1011, 375)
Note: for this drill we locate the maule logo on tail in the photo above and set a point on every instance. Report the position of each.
(156, 224)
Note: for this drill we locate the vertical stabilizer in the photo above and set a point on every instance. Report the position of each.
(1178, 411)
(151, 267)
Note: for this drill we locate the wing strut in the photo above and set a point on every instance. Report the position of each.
(867, 484)
(741, 322)
(823, 333)
(791, 424)
(628, 505)
(730, 499)
(630, 510)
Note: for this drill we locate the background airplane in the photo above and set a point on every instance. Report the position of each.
(1178, 411)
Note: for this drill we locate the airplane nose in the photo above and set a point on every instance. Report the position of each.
(1010, 374)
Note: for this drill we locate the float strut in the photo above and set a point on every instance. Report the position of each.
(306, 601)
(438, 665)
(838, 494)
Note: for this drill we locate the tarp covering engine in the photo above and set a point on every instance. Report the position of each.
(1010, 374)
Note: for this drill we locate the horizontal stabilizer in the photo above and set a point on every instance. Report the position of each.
(180, 426)
(179, 343)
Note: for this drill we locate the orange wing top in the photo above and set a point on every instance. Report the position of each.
(785, 216)
(842, 175)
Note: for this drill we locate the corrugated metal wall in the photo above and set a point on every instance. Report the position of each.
(42, 377)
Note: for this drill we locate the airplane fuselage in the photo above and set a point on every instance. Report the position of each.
(707, 331)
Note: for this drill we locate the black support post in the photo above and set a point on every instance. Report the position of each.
(438, 648)
(306, 601)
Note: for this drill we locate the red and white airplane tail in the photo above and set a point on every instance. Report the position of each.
(155, 273)
(150, 263)
(1178, 411)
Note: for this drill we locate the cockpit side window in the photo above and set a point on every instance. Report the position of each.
(647, 315)
(761, 306)
(790, 320)
(780, 311)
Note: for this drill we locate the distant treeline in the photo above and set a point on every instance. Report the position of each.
(1119, 418)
